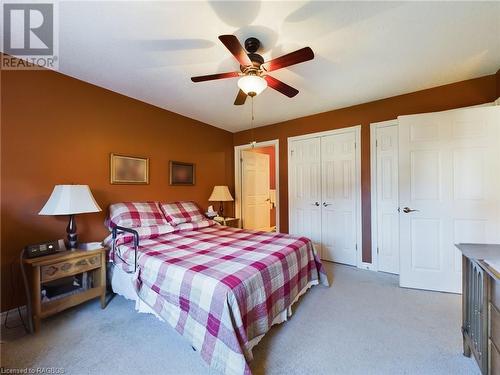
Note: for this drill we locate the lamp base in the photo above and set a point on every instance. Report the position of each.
(71, 231)
(221, 209)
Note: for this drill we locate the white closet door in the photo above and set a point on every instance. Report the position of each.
(387, 198)
(305, 190)
(338, 223)
(449, 170)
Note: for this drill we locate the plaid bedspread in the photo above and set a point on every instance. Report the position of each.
(221, 287)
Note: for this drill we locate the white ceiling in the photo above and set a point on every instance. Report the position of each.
(363, 51)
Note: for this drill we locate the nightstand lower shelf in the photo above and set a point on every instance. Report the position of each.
(55, 306)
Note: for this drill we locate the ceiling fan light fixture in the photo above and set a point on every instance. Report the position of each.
(252, 85)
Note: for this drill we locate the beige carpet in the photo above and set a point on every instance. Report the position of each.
(363, 324)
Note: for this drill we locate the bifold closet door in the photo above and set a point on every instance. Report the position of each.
(305, 190)
(338, 204)
(323, 196)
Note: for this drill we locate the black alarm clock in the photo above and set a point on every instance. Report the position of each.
(44, 248)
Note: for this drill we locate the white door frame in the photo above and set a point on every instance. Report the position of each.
(357, 130)
(373, 185)
(237, 176)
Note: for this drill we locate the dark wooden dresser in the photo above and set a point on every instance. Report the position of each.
(481, 305)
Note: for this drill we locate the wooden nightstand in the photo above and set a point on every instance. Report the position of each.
(229, 222)
(63, 264)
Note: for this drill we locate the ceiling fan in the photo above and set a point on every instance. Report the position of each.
(253, 70)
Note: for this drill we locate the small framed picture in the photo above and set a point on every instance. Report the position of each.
(129, 169)
(182, 173)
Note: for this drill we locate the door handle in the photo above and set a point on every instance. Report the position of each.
(326, 204)
(407, 210)
(316, 204)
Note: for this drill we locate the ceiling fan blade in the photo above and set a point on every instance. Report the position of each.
(292, 58)
(234, 46)
(211, 77)
(281, 87)
(240, 98)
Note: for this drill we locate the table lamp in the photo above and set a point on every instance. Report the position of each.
(70, 200)
(221, 194)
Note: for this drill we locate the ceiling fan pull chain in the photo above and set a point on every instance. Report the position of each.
(252, 113)
(253, 142)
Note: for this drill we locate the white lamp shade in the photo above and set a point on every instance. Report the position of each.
(70, 200)
(220, 194)
(252, 84)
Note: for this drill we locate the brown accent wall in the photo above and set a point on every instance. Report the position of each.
(59, 130)
(456, 95)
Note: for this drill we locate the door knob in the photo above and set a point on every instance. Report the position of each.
(326, 204)
(316, 204)
(407, 210)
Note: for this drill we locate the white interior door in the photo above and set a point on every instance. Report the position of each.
(449, 171)
(255, 190)
(338, 211)
(386, 204)
(305, 189)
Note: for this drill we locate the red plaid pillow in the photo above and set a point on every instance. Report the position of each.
(135, 214)
(182, 212)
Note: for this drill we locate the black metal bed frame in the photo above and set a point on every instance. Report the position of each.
(115, 231)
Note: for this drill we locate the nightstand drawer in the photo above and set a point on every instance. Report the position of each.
(69, 267)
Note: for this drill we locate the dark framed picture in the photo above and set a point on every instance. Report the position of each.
(182, 173)
(129, 169)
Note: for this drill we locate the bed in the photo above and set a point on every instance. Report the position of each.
(221, 288)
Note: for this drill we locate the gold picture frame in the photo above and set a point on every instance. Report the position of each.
(128, 170)
(182, 174)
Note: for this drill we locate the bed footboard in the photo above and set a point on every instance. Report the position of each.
(118, 229)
